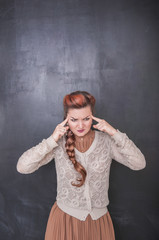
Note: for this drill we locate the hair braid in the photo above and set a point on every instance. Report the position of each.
(70, 141)
(77, 100)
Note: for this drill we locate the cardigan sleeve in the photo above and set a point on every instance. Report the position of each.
(35, 157)
(126, 152)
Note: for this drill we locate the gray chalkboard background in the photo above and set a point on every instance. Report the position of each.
(51, 48)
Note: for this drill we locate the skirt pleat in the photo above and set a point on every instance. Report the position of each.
(62, 226)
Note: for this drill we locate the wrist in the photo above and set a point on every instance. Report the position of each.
(55, 139)
(112, 132)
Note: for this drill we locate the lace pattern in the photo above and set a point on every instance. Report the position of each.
(96, 160)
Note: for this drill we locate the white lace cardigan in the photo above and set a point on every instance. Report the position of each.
(92, 197)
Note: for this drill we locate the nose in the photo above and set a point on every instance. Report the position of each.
(80, 124)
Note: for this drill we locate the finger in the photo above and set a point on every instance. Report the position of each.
(101, 124)
(98, 125)
(62, 132)
(96, 119)
(100, 128)
(63, 129)
(64, 122)
(67, 127)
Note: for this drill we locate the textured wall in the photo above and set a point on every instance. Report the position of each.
(51, 48)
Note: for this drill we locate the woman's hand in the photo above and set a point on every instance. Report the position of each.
(60, 130)
(104, 126)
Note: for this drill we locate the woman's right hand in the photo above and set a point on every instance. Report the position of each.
(60, 130)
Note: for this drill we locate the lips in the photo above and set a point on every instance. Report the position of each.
(80, 131)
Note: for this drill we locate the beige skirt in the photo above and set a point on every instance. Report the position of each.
(62, 226)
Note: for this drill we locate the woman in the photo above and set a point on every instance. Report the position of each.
(83, 153)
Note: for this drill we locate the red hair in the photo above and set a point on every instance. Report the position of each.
(78, 99)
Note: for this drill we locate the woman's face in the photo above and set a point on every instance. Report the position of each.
(80, 120)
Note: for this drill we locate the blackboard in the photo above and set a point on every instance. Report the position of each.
(51, 48)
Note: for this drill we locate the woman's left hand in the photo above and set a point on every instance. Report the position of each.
(104, 126)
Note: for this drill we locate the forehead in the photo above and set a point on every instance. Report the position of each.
(80, 113)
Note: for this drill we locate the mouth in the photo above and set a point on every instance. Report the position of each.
(80, 131)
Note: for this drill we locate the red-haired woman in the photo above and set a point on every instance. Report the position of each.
(83, 153)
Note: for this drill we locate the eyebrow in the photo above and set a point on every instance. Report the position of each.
(83, 118)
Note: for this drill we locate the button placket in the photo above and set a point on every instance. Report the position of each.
(87, 191)
(87, 194)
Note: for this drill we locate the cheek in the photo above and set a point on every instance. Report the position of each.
(71, 124)
(89, 123)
